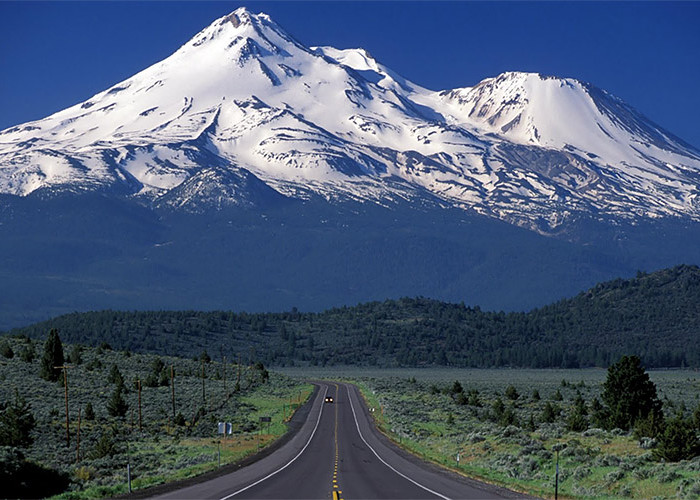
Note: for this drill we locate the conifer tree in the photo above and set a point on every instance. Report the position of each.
(117, 406)
(89, 412)
(16, 423)
(53, 356)
(629, 394)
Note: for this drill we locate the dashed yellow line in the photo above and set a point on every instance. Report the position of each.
(336, 490)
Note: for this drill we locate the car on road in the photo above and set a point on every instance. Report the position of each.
(329, 399)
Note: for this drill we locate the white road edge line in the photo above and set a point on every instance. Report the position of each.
(288, 463)
(347, 387)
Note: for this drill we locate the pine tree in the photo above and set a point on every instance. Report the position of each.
(53, 356)
(115, 376)
(549, 413)
(117, 406)
(16, 423)
(678, 441)
(628, 394)
(89, 412)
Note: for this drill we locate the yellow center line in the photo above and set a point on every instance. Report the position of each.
(336, 491)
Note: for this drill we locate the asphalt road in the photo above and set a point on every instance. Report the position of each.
(338, 453)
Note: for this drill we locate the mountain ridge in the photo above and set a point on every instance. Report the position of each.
(249, 171)
(651, 315)
(530, 150)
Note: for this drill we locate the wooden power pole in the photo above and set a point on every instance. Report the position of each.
(65, 384)
(138, 383)
(204, 394)
(223, 362)
(77, 447)
(172, 384)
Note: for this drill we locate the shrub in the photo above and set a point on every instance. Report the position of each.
(511, 393)
(27, 354)
(179, 419)
(473, 398)
(84, 473)
(6, 349)
(678, 441)
(530, 425)
(76, 354)
(105, 446)
(650, 426)
(576, 422)
(508, 417)
(667, 476)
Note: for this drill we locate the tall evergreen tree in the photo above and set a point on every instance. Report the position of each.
(16, 423)
(53, 356)
(629, 394)
(117, 406)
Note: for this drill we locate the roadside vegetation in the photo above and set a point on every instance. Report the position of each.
(616, 435)
(508, 424)
(107, 429)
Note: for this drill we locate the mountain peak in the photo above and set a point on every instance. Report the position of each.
(242, 16)
(524, 147)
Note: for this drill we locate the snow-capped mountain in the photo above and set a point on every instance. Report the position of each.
(244, 115)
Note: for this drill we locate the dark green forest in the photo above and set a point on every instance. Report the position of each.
(655, 316)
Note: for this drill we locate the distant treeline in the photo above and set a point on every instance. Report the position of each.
(655, 316)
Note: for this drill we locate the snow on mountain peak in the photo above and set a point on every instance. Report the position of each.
(243, 102)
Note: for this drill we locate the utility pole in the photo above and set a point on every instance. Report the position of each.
(65, 383)
(172, 383)
(77, 448)
(556, 479)
(238, 380)
(224, 373)
(138, 384)
(204, 394)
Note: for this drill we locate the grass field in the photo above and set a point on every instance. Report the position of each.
(417, 412)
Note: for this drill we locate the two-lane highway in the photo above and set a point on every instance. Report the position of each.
(339, 454)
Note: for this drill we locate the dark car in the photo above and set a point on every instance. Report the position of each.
(329, 399)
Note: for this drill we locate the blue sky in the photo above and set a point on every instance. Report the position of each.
(55, 54)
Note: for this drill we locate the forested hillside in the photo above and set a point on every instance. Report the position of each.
(654, 316)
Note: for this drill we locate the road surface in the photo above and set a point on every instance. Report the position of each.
(339, 454)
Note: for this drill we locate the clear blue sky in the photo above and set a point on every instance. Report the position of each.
(55, 54)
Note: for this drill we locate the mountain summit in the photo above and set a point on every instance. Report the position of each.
(245, 115)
